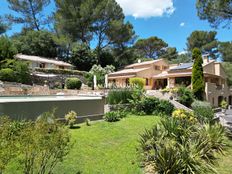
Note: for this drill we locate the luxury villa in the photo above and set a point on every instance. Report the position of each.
(41, 62)
(159, 75)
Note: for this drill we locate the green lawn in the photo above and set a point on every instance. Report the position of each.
(110, 148)
(106, 148)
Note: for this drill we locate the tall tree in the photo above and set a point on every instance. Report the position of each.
(228, 70)
(74, 18)
(83, 57)
(225, 48)
(205, 41)
(215, 11)
(29, 13)
(99, 21)
(152, 47)
(170, 53)
(7, 48)
(38, 43)
(3, 26)
(198, 85)
(181, 58)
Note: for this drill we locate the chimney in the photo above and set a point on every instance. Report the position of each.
(205, 58)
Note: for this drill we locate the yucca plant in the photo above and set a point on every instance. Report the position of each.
(172, 147)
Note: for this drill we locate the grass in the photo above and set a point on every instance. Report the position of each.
(106, 148)
(110, 148)
(224, 165)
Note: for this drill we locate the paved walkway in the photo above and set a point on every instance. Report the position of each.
(225, 118)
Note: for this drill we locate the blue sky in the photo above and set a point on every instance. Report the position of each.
(171, 20)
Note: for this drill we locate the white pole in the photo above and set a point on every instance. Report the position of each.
(106, 81)
(95, 81)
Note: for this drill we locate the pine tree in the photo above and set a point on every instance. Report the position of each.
(198, 85)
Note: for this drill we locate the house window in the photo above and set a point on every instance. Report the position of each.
(147, 82)
(157, 67)
(61, 67)
(42, 65)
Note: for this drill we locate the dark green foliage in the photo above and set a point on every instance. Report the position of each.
(7, 74)
(15, 70)
(22, 72)
(29, 13)
(152, 105)
(101, 21)
(228, 70)
(203, 111)
(7, 48)
(205, 41)
(225, 48)
(73, 83)
(198, 85)
(170, 54)
(119, 96)
(174, 147)
(83, 57)
(215, 12)
(152, 47)
(38, 43)
(185, 96)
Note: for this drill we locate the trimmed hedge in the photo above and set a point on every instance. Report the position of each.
(61, 71)
(73, 83)
(140, 82)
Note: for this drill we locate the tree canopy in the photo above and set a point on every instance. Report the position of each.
(151, 47)
(205, 41)
(215, 11)
(101, 22)
(29, 13)
(198, 85)
(37, 43)
(225, 48)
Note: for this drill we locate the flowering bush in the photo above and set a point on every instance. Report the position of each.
(184, 115)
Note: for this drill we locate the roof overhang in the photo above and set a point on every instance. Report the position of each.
(121, 77)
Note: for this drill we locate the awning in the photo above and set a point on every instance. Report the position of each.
(121, 77)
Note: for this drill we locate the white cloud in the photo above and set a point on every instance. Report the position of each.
(182, 52)
(146, 8)
(182, 24)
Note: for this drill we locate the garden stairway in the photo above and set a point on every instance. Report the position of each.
(166, 96)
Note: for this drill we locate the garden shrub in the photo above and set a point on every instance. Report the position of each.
(22, 72)
(152, 105)
(184, 116)
(35, 147)
(119, 96)
(185, 96)
(71, 118)
(136, 81)
(73, 83)
(203, 111)
(112, 116)
(172, 147)
(7, 74)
